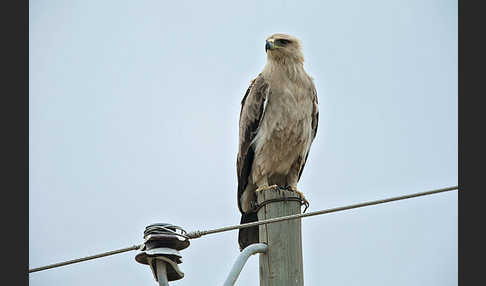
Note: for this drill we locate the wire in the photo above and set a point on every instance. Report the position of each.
(135, 247)
(197, 234)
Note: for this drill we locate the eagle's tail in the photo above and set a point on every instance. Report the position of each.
(249, 235)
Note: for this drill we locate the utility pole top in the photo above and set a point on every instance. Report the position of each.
(282, 264)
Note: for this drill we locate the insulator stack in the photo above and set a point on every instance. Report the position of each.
(160, 251)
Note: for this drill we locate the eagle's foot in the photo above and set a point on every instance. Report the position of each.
(301, 195)
(266, 188)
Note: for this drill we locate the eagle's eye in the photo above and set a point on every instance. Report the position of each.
(282, 42)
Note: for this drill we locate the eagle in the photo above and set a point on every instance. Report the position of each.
(277, 125)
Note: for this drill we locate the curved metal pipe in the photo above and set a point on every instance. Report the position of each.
(241, 261)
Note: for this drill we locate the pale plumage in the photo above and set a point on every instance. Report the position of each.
(278, 122)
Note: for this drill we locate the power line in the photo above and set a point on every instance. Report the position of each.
(134, 247)
(197, 234)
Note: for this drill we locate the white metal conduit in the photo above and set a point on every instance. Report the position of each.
(241, 261)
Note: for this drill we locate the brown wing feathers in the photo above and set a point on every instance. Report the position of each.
(315, 123)
(252, 108)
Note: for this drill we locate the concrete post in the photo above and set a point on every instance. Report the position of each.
(281, 265)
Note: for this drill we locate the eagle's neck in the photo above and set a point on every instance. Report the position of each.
(284, 70)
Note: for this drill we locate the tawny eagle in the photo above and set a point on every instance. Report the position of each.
(278, 122)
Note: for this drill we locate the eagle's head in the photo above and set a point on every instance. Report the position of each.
(283, 47)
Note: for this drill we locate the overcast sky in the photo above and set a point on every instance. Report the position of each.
(134, 110)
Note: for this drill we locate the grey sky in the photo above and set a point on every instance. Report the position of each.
(134, 111)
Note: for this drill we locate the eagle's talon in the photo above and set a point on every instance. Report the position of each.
(306, 204)
(266, 188)
(301, 195)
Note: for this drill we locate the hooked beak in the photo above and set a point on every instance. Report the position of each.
(269, 45)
